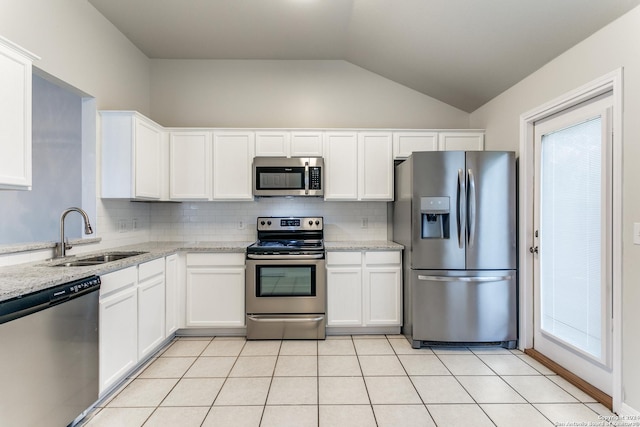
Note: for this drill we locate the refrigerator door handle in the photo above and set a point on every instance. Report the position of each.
(461, 198)
(465, 279)
(471, 208)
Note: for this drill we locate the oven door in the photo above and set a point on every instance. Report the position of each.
(282, 286)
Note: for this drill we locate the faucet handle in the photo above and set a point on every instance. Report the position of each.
(67, 245)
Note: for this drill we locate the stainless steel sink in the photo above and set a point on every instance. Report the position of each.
(97, 259)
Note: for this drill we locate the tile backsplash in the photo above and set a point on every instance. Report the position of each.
(236, 221)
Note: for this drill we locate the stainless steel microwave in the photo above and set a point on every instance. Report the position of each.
(283, 176)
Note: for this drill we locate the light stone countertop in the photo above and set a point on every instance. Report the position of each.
(365, 245)
(21, 279)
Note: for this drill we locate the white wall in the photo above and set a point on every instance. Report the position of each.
(81, 48)
(264, 93)
(615, 46)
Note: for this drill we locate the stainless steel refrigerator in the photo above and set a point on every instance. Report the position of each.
(455, 213)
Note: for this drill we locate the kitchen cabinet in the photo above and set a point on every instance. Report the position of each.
(285, 143)
(215, 290)
(344, 289)
(172, 294)
(359, 166)
(382, 278)
(15, 110)
(190, 164)
(233, 153)
(306, 144)
(118, 342)
(375, 166)
(133, 156)
(405, 143)
(364, 289)
(459, 140)
(341, 166)
(151, 306)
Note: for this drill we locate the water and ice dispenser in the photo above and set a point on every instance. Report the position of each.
(435, 217)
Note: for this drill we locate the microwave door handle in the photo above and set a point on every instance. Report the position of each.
(306, 177)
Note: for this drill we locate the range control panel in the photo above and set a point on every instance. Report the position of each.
(290, 223)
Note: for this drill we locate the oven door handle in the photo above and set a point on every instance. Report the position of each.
(285, 319)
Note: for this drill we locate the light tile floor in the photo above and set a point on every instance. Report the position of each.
(341, 381)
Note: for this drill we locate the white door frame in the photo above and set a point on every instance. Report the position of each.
(609, 82)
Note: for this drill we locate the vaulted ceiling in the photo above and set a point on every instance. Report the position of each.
(462, 52)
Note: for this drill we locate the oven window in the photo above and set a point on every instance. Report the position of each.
(279, 178)
(286, 280)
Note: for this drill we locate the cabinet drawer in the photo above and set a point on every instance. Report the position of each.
(208, 259)
(344, 258)
(118, 280)
(382, 257)
(150, 269)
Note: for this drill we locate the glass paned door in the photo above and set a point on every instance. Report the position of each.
(572, 217)
(570, 269)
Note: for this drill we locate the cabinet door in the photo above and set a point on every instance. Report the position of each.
(272, 143)
(341, 164)
(151, 313)
(375, 166)
(306, 144)
(405, 143)
(190, 166)
(147, 160)
(171, 294)
(118, 336)
(215, 297)
(15, 111)
(344, 296)
(461, 141)
(232, 158)
(383, 296)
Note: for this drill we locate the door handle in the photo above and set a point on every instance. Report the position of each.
(461, 196)
(464, 279)
(471, 208)
(534, 250)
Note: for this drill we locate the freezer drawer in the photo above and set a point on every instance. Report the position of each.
(464, 307)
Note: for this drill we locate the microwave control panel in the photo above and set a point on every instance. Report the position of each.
(314, 178)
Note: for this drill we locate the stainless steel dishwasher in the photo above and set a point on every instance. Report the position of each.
(49, 354)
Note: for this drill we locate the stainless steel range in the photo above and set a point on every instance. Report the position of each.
(286, 290)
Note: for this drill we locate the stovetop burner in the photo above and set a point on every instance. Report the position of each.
(286, 237)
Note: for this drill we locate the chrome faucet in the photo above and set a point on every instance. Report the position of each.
(62, 246)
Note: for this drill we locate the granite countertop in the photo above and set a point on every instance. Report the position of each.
(367, 245)
(21, 279)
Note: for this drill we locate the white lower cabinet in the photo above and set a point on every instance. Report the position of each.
(364, 289)
(215, 290)
(172, 294)
(151, 306)
(118, 340)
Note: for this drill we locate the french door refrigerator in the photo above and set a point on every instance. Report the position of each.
(455, 213)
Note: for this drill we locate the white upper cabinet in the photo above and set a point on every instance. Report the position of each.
(359, 166)
(341, 166)
(190, 163)
(306, 144)
(232, 157)
(15, 110)
(276, 143)
(375, 166)
(405, 143)
(273, 143)
(133, 156)
(462, 141)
